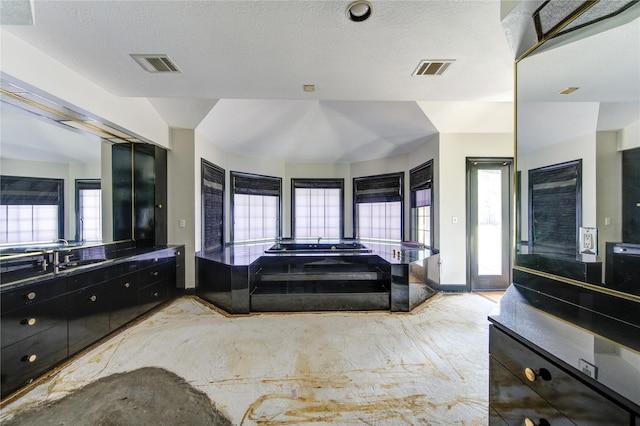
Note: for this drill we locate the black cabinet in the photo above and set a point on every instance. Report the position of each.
(150, 195)
(46, 321)
(88, 316)
(631, 196)
(523, 384)
(34, 331)
(123, 300)
(142, 167)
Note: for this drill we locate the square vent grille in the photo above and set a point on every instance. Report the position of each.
(156, 63)
(432, 67)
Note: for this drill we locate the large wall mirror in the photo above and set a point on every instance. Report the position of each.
(578, 117)
(57, 179)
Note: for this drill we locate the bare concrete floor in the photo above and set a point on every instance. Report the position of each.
(340, 368)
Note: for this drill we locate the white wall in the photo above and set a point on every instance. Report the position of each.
(454, 149)
(29, 65)
(608, 189)
(181, 197)
(629, 136)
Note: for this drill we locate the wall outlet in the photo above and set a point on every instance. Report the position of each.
(589, 240)
(588, 369)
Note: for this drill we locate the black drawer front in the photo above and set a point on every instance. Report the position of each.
(515, 402)
(155, 273)
(33, 319)
(123, 300)
(573, 398)
(34, 293)
(123, 268)
(25, 360)
(151, 259)
(153, 295)
(88, 316)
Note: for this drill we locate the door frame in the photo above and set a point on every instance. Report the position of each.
(507, 211)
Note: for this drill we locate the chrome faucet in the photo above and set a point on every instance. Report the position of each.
(319, 240)
(62, 240)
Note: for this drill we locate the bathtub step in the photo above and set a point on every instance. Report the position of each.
(320, 302)
(318, 276)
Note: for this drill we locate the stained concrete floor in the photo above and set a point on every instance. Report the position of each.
(341, 368)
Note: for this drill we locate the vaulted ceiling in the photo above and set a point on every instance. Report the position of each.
(244, 64)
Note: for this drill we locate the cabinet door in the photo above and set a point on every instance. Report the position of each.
(180, 269)
(123, 300)
(154, 294)
(160, 169)
(88, 316)
(25, 322)
(17, 297)
(515, 402)
(25, 360)
(573, 398)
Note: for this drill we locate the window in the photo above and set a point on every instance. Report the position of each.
(88, 210)
(555, 201)
(378, 206)
(31, 209)
(212, 206)
(255, 207)
(420, 187)
(317, 208)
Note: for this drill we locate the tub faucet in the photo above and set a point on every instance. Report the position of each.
(62, 240)
(319, 240)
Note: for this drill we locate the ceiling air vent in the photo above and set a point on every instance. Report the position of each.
(156, 63)
(432, 67)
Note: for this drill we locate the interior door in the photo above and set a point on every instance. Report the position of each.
(489, 201)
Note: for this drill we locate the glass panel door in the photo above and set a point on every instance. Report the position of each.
(489, 218)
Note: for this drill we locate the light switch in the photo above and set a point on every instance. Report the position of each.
(607, 221)
(183, 223)
(454, 219)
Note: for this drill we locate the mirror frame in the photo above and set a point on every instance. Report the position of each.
(543, 38)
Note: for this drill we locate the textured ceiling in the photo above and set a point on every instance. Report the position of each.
(237, 55)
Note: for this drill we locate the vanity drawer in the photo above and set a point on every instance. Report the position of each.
(19, 297)
(515, 402)
(573, 398)
(33, 319)
(154, 273)
(152, 259)
(153, 295)
(28, 358)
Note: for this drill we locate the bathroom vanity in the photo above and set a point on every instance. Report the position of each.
(53, 315)
(562, 354)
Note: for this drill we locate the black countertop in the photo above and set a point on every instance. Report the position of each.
(246, 254)
(86, 258)
(603, 350)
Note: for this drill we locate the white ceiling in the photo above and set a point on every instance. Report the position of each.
(244, 64)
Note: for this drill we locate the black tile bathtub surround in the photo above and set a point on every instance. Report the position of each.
(243, 278)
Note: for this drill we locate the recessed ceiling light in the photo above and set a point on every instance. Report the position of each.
(309, 88)
(359, 11)
(569, 90)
